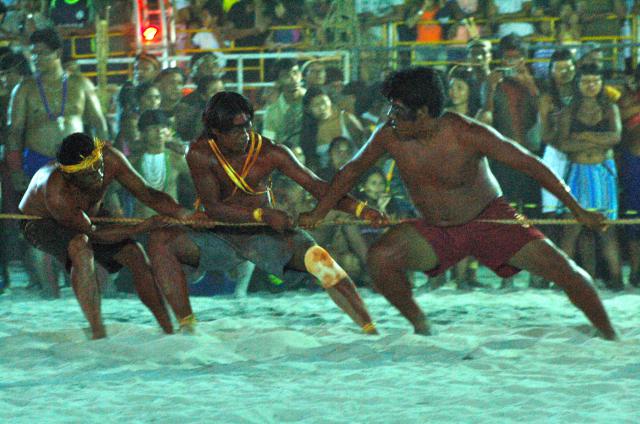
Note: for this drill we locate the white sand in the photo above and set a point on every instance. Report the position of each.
(518, 356)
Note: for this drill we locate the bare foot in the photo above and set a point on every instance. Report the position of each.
(421, 326)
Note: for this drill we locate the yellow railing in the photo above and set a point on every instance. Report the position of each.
(307, 36)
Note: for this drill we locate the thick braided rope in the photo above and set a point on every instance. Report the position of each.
(211, 223)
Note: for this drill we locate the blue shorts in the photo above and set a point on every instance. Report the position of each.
(32, 161)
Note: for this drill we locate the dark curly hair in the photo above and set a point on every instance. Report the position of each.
(416, 87)
(75, 148)
(221, 109)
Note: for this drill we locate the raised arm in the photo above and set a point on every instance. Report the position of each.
(157, 200)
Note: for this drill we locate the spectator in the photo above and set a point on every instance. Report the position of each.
(170, 82)
(505, 11)
(464, 93)
(559, 95)
(334, 81)
(246, 23)
(321, 123)
(159, 166)
(513, 92)
(189, 110)
(427, 33)
(13, 69)
(284, 13)
(341, 150)
(283, 118)
(128, 139)
(315, 74)
(630, 172)
(211, 36)
(589, 129)
(18, 24)
(462, 16)
(145, 69)
(479, 55)
(207, 64)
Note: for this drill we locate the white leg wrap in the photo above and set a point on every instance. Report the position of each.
(322, 266)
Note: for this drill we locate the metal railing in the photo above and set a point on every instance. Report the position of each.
(390, 43)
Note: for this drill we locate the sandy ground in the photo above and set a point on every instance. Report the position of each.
(496, 356)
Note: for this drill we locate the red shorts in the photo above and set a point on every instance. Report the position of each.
(493, 245)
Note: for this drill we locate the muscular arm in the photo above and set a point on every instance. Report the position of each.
(292, 168)
(348, 175)
(493, 145)
(93, 110)
(57, 203)
(157, 200)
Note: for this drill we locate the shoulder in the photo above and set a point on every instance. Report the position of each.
(457, 121)
(198, 150)
(81, 81)
(112, 157)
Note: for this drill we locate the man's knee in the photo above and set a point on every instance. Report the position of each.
(79, 248)
(161, 239)
(378, 256)
(132, 255)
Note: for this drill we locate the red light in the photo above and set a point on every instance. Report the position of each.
(150, 33)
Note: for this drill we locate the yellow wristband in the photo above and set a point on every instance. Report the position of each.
(257, 214)
(369, 328)
(360, 208)
(188, 321)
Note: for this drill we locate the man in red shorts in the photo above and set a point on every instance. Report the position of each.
(443, 160)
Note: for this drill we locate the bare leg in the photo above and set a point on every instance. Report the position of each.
(42, 271)
(169, 248)
(542, 258)
(343, 292)
(634, 262)
(399, 250)
(570, 239)
(85, 285)
(133, 257)
(587, 249)
(611, 252)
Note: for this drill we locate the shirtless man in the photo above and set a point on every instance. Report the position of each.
(46, 108)
(231, 167)
(42, 111)
(66, 194)
(443, 160)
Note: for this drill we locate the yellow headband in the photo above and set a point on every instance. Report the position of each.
(87, 161)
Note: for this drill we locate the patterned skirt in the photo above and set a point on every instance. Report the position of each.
(595, 186)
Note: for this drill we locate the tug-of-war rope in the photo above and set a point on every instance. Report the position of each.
(209, 223)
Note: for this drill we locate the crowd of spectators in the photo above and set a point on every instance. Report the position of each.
(574, 104)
